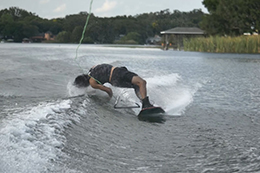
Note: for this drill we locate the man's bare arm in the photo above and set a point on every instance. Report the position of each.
(95, 85)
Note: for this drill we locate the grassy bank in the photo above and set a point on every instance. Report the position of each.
(241, 44)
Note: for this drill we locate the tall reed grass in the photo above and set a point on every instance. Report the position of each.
(241, 44)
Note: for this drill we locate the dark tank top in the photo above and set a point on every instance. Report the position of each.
(101, 73)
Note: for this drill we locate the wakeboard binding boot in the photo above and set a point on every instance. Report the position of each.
(146, 103)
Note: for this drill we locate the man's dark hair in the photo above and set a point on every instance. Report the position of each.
(82, 81)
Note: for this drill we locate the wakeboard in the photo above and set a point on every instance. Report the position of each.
(152, 114)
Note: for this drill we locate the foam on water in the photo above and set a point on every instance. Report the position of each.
(171, 92)
(73, 90)
(31, 138)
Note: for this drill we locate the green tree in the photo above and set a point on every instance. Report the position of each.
(16, 23)
(76, 34)
(29, 30)
(133, 36)
(231, 17)
(71, 21)
(19, 14)
(130, 38)
(7, 24)
(64, 37)
(88, 40)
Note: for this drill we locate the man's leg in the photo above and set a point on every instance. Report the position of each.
(137, 92)
(141, 83)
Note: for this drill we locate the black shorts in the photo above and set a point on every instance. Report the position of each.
(121, 77)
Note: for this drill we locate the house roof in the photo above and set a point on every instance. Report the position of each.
(184, 30)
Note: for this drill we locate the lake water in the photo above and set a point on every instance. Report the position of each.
(212, 103)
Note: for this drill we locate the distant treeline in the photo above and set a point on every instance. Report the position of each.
(17, 24)
(225, 18)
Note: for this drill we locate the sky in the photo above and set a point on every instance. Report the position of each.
(102, 8)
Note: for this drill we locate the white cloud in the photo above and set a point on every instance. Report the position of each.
(107, 6)
(44, 1)
(60, 8)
